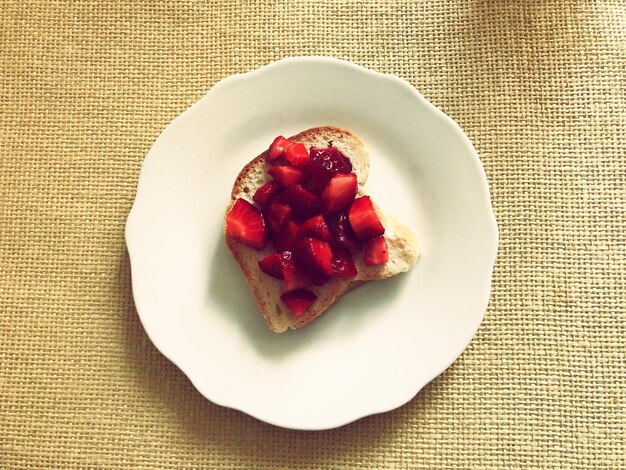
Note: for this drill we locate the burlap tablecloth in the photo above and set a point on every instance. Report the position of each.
(539, 87)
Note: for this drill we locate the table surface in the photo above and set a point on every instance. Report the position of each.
(539, 87)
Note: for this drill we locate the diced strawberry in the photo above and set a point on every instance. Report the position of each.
(278, 147)
(317, 183)
(282, 266)
(343, 235)
(303, 203)
(297, 156)
(266, 192)
(286, 175)
(376, 251)
(298, 300)
(279, 197)
(277, 214)
(339, 192)
(316, 227)
(342, 263)
(293, 276)
(287, 237)
(272, 265)
(364, 220)
(328, 162)
(314, 257)
(245, 224)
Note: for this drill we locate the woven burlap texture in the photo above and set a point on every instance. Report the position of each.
(539, 87)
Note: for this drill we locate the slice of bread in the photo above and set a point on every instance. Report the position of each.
(402, 244)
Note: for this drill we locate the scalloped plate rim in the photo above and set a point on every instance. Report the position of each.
(132, 216)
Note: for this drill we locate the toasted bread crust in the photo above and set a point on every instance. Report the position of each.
(402, 243)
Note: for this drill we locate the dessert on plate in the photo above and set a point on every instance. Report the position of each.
(304, 231)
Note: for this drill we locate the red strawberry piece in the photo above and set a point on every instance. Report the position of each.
(303, 203)
(245, 224)
(287, 175)
(266, 192)
(297, 156)
(339, 193)
(364, 220)
(342, 263)
(314, 257)
(278, 147)
(293, 277)
(282, 266)
(317, 183)
(277, 215)
(343, 235)
(272, 265)
(329, 161)
(298, 300)
(279, 197)
(287, 237)
(316, 227)
(376, 251)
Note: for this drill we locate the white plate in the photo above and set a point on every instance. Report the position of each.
(379, 345)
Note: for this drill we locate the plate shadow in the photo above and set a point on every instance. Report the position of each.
(229, 289)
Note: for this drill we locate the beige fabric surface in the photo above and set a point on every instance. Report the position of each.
(86, 87)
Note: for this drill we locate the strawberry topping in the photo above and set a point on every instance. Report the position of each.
(314, 257)
(342, 263)
(293, 277)
(329, 161)
(312, 218)
(303, 203)
(316, 227)
(376, 251)
(317, 183)
(286, 175)
(278, 147)
(245, 224)
(364, 220)
(298, 300)
(343, 235)
(297, 156)
(339, 192)
(282, 266)
(277, 214)
(266, 192)
(287, 237)
(272, 265)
